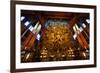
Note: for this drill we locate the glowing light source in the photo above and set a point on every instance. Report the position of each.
(88, 21)
(81, 29)
(22, 18)
(27, 23)
(38, 29)
(38, 37)
(84, 26)
(31, 28)
(74, 36)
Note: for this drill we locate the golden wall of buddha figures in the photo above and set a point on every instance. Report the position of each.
(56, 42)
